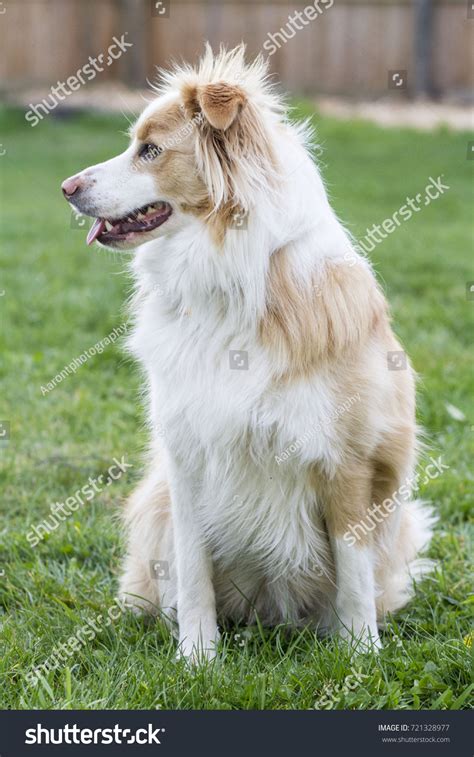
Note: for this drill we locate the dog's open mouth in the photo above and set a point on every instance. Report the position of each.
(124, 229)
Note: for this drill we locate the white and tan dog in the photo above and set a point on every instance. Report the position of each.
(279, 428)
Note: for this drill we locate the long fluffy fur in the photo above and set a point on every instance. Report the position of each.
(249, 530)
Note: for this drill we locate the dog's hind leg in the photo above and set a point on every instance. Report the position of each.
(406, 526)
(148, 581)
(346, 500)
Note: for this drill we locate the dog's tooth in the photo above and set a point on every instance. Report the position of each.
(108, 225)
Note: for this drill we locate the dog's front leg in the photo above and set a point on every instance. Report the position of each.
(196, 605)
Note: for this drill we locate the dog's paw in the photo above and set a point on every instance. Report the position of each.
(196, 656)
(361, 640)
(197, 652)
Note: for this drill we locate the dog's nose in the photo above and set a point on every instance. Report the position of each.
(71, 185)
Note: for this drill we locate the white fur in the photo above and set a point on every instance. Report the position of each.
(249, 534)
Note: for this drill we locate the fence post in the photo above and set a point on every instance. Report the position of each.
(135, 21)
(424, 11)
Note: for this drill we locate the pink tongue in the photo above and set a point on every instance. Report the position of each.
(97, 228)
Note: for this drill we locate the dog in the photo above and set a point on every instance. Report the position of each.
(279, 425)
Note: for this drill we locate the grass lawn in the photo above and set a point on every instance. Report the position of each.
(59, 298)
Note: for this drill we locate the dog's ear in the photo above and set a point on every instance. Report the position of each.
(233, 148)
(219, 103)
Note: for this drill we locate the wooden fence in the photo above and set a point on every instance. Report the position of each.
(348, 48)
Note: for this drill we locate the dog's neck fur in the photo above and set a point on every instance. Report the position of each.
(189, 270)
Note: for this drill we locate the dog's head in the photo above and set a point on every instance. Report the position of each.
(202, 148)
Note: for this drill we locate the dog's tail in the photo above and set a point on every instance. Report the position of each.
(399, 566)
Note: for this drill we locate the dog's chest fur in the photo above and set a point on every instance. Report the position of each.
(216, 407)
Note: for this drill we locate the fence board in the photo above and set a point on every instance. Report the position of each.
(347, 50)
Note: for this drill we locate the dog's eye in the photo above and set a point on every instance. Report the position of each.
(149, 152)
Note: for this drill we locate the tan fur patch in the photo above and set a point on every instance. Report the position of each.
(178, 178)
(394, 458)
(190, 100)
(220, 103)
(309, 323)
(176, 169)
(345, 498)
(233, 145)
(161, 125)
(363, 481)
